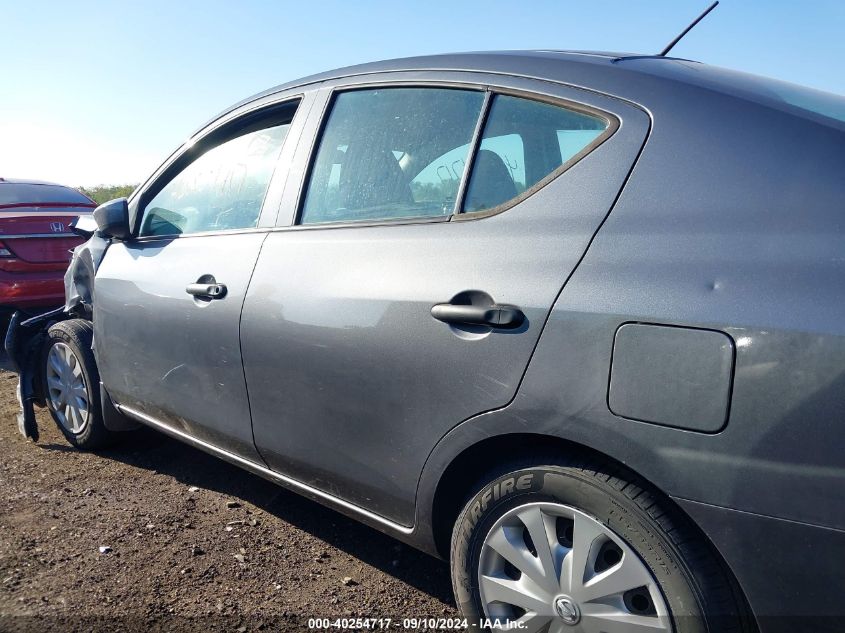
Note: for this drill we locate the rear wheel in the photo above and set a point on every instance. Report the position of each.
(564, 548)
(72, 384)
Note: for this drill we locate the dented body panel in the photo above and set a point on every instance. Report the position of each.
(165, 354)
(81, 274)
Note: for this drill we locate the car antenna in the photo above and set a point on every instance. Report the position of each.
(671, 45)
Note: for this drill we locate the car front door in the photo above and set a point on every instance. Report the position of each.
(168, 302)
(413, 270)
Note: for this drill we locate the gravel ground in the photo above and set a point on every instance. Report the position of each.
(193, 544)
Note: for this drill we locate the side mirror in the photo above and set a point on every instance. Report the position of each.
(113, 219)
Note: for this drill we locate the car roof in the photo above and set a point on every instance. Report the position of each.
(642, 79)
(482, 61)
(27, 181)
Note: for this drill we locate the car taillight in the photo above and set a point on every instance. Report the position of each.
(5, 252)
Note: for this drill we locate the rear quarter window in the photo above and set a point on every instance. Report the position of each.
(523, 143)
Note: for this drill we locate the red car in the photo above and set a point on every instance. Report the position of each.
(35, 242)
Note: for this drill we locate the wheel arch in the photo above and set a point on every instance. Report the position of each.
(496, 454)
(464, 473)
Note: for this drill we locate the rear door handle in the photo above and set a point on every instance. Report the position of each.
(206, 291)
(496, 316)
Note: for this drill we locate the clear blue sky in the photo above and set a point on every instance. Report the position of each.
(101, 92)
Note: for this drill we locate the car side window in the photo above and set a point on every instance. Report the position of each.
(391, 153)
(523, 142)
(223, 189)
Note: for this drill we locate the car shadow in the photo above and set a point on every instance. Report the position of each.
(154, 451)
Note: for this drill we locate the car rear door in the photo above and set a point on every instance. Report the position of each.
(168, 302)
(352, 378)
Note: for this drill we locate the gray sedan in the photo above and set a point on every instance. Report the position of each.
(572, 321)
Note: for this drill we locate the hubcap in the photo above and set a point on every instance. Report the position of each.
(66, 388)
(554, 569)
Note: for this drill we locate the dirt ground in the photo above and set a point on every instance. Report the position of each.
(195, 544)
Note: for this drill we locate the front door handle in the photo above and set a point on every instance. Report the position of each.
(496, 316)
(206, 291)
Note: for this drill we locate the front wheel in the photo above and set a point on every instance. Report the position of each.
(72, 384)
(564, 548)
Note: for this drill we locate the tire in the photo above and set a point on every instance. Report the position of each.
(68, 354)
(681, 584)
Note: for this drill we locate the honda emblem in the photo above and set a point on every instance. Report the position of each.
(57, 227)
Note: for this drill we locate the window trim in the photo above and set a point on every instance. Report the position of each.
(490, 92)
(474, 144)
(265, 117)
